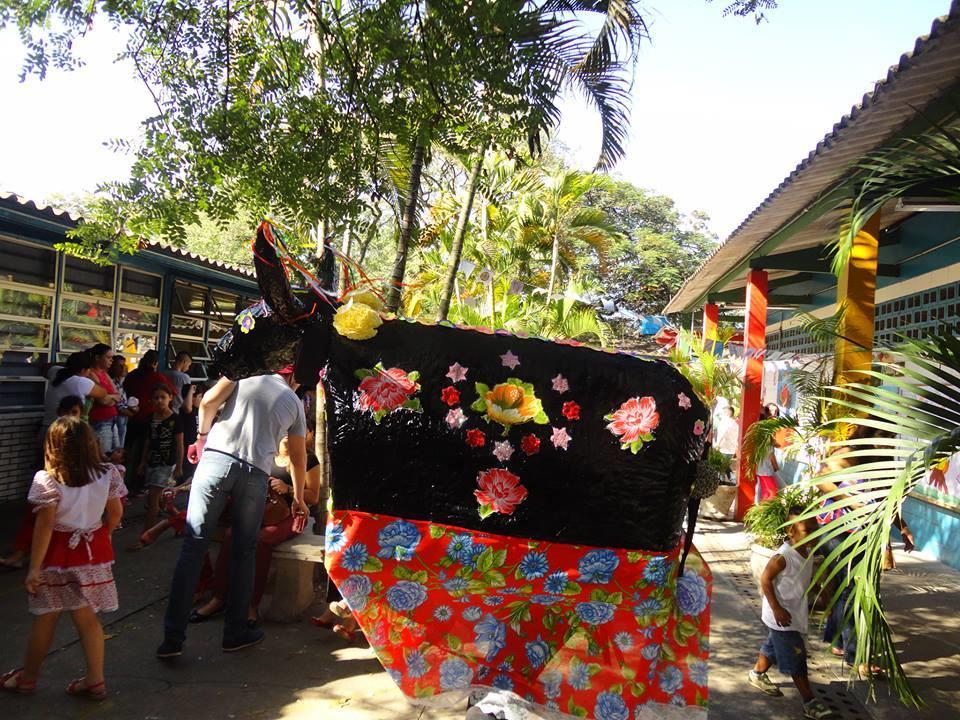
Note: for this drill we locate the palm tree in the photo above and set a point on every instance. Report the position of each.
(555, 217)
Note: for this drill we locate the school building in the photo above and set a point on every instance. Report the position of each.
(903, 278)
(52, 304)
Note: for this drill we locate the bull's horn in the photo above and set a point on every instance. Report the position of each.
(272, 277)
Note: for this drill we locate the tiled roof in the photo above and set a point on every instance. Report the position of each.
(916, 80)
(71, 219)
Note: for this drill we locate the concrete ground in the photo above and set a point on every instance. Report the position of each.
(302, 672)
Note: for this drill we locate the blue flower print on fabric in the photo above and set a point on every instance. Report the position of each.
(556, 582)
(579, 677)
(671, 679)
(623, 640)
(355, 556)
(698, 673)
(455, 585)
(551, 683)
(455, 674)
(493, 600)
(442, 613)
(417, 665)
(406, 595)
(398, 540)
(395, 675)
(537, 653)
(503, 682)
(650, 606)
(656, 571)
(355, 590)
(650, 652)
(692, 597)
(472, 614)
(491, 636)
(610, 706)
(597, 566)
(596, 612)
(546, 600)
(534, 565)
(460, 548)
(335, 539)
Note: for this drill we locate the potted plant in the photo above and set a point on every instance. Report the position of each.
(765, 524)
(719, 505)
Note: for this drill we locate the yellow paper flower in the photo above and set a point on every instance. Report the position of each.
(357, 321)
(366, 297)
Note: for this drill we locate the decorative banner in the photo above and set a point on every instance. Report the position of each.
(582, 631)
(485, 276)
(467, 268)
(516, 287)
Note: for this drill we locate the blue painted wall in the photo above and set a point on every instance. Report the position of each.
(935, 530)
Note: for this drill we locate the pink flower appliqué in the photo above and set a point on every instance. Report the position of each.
(560, 384)
(457, 373)
(499, 491)
(560, 438)
(383, 391)
(684, 401)
(634, 422)
(698, 428)
(510, 360)
(456, 418)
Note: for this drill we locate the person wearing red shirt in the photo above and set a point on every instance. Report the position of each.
(103, 413)
(140, 384)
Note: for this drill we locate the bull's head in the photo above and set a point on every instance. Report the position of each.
(267, 336)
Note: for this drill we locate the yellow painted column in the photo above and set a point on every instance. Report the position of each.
(856, 292)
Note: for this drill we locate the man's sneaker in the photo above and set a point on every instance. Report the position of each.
(816, 710)
(169, 649)
(248, 639)
(764, 684)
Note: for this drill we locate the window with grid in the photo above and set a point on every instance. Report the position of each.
(86, 305)
(138, 314)
(28, 283)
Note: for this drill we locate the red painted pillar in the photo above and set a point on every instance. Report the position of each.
(711, 319)
(754, 346)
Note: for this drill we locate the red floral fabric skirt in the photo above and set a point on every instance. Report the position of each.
(77, 572)
(575, 630)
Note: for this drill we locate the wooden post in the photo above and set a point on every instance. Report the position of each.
(754, 346)
(323, 456)
(856, 293)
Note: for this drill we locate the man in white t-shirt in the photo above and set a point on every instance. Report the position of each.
(178, 377)
(236, 457)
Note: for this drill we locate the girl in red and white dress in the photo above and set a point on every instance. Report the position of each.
(77, 501)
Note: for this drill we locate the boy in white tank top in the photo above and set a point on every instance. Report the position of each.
(785, 612)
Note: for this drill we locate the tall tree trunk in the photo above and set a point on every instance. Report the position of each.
(372, 231)
(554, 260)
(407, 223)
(456, 248)
(345, 247)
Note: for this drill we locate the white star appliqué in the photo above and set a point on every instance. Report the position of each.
(502, 451)
(510, 360)
(560, 384)
(560, 438)
(457, 373)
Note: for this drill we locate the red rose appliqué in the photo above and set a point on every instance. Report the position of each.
(476, 438)
(571, 411)
(499, 491)
(450, 395)
(530, 444)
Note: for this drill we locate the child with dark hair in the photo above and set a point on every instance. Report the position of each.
(785, 612)
(71, 405)
(162, 462)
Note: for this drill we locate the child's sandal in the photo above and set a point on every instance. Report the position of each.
(78, 688)
(13, 682)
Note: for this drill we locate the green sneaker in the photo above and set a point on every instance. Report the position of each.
(764, 684)
(816, 710)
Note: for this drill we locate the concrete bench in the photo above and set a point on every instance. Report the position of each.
(293, 564)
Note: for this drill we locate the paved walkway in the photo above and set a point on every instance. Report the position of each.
(302, 672)
(921, 598)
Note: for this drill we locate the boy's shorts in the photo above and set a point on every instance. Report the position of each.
(786, 648)
(160, 476)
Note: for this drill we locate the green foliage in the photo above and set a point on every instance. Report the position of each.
(765, 522)
(711, 376)
(718, 461)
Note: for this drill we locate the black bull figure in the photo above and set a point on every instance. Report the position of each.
(584, 483)
(507, 511)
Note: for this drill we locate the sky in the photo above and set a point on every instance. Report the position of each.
(723, 108)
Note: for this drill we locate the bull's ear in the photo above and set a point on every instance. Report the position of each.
(324, 267)
(272, 277)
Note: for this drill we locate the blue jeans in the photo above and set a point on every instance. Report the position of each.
(219, 476)
(106, 432)
(839, 631)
